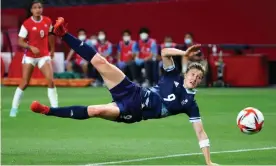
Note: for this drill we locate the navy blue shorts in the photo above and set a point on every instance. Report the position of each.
(127, 96)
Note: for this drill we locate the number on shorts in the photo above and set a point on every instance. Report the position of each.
(126, 117)
(170, 97)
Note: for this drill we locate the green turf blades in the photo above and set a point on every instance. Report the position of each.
(36, 139)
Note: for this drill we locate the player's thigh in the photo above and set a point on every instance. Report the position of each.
(45, 66)
(111, 75)
(106, 111)
(27, 70)
(28, 64)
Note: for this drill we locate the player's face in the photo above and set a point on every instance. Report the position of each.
(37, 9)
(193, 78)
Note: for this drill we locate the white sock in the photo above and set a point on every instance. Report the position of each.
(53, 97)
(16, 98)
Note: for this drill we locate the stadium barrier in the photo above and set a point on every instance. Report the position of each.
(43, 82)
(248, 69)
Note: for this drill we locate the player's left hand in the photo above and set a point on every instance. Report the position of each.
(193, 50)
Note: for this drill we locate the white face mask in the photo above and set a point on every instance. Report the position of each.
(101, 37)
(144, 36)
(82, 37)
(126, 38)
(168, 44)
(94, 41)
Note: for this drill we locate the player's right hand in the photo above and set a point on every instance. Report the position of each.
(193, 50)
(34, 50)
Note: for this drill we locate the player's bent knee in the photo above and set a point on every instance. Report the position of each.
(98, 60)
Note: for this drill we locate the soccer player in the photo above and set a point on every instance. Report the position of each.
(132, 103)
(34, 35)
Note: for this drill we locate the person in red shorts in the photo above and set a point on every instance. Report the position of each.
(34, 35)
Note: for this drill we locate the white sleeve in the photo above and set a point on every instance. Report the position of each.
(50, 28)
(23, 32)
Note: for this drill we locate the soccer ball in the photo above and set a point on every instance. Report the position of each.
(250, 120)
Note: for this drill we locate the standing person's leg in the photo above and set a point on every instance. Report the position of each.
(44, 64)
(28, 64)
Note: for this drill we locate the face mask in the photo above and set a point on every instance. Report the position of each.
(188, 41)
(94, 41)
(144, 36)
(126, 38)
(168, 44)
(82, 37)
(101, 37)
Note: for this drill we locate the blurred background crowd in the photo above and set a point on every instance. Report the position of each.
(238, 39)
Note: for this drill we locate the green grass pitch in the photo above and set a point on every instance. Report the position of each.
(36, 139)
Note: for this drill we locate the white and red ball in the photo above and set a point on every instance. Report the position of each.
(250, 120)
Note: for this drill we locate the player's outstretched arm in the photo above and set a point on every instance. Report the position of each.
(204, 142)
(167, 53)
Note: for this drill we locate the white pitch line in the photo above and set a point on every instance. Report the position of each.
(180, 155)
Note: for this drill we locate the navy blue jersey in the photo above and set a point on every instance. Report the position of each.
(169, 97)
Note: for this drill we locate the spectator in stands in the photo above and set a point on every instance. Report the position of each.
(93, 41)
(127, 50)
(73, 59)
(146, 59)
(168, 43)
(188, 41)
(104, 47)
